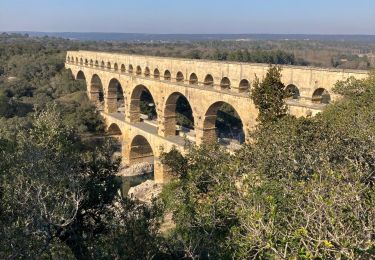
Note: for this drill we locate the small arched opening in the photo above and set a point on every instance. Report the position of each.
(109, 66)
(115, 98)
(167, 75)
(76, 60)
(147, 72)
(96, 63)
(225, 83)
(193, 79)
(115, 67)
(102, 65)
(156, 74)
(86, 62)
(244, 86)
(292, 92)
(91, 63)
(138, 70)
(142, 105)
(123, 68)
(209, 81)
(180, 77)
(223, 123)
(321, 96)
(81, 61)
(130, 69)
(178, 116)
(96, 91)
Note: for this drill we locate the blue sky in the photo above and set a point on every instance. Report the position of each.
(190, 16)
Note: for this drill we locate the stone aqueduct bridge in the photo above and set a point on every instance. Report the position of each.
(207, 85)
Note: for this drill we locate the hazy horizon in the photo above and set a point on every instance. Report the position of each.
(319, 17)
(148, 33)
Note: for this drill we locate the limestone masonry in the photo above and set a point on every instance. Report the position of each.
(205, 84)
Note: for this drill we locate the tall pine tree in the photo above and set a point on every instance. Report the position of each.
(268, 96)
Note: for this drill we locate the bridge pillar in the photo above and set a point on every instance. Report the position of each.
(167, 124)
(205, 130)
(110, 105)
(161, 172)
(93, 95)
(205, 135)
(133, 114)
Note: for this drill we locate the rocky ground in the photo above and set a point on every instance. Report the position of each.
(146, 191)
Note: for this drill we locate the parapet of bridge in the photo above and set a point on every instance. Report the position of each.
(207, 85)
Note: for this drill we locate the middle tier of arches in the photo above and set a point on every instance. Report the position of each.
(127, 95)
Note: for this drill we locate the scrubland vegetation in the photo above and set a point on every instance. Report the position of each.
(303, 188)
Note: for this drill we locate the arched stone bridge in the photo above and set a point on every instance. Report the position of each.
(117, 82)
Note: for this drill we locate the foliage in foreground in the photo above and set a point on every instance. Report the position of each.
(59, 198)
(303, 188)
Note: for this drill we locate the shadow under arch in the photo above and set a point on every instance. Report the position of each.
(96, 91)
(115, 101)
(322, 96)
(80, 75)
(223, 124)
(178, 115)
(209, 80)
(140, 151)
(142, 105)
(292, 92)
(193, 79)
(114, 131)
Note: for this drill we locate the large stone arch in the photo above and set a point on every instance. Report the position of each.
(137, 93)
(140, 150)
(114, 131)
(292, 92)
(321, 95)
(80, 75)
(209, 123)
(96, 91)
(115, 101)
(170, 114)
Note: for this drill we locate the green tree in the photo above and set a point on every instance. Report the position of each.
(268, 96)
(59, 194)
(302, 189)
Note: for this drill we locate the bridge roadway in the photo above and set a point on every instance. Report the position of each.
(120, 81)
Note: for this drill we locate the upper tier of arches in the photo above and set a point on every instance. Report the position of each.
(292, 91)
(166, 75)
